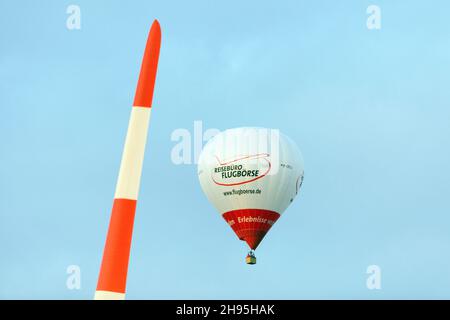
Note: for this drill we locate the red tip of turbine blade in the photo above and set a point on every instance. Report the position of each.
(147, 76)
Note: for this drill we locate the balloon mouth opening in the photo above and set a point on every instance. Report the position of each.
(254, 239)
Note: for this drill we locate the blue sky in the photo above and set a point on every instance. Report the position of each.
(369, 110)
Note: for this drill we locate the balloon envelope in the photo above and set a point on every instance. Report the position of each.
(250, 175)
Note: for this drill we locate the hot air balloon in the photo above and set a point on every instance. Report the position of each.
(250, 175)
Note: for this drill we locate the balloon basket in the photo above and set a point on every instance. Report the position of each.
(250, 259)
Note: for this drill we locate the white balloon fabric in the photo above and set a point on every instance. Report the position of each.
(250, 175)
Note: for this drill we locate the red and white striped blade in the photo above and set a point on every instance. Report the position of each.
(113, 271)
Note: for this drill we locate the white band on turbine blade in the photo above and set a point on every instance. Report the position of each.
(109, 295)
(133, 154)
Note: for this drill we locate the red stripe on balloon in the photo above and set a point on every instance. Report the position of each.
(251, 225)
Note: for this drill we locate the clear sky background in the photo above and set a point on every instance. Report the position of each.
(369, 109)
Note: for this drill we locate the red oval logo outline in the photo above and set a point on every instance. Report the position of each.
(256, 156)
